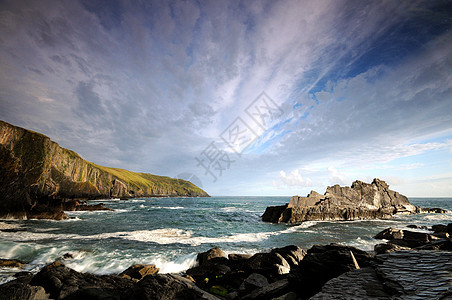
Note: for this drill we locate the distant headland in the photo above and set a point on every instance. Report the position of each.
(38, 178)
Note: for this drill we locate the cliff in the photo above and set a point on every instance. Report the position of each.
(37, 176)
(360, 201)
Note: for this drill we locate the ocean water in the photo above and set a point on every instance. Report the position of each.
(169, 232)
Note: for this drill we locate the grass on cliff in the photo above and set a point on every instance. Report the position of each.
(149, 180)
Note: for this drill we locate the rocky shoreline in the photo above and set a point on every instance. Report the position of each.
(359, 201)
(413, 263)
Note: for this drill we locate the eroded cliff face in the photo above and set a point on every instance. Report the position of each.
(359, 201)
(37, 175)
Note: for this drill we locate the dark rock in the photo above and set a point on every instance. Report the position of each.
(68, 256)
(166, 287)
(139, 271)
(11, 263)
(390, 234)
(270, 291)
(208, 255)
(253, 282)
(292, 254)
(435, 210)
(270, 264)
(238, 257)
(443, 244)
(357, 284)
(417, 227)
(388, 247)
(96, 207)
(19, 290)
(323, 263)
(439, 228)
(62, 282)
(449, 228)
(360, 201)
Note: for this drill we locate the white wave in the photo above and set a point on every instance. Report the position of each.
(303, 225)
(364, 244)
(178, 236)
(167, 207)
(230, 209)
(4, 225)
(142, 206)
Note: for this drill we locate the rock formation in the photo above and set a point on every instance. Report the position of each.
(37, 176)
(360, 201)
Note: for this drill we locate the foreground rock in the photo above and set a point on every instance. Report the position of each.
(410, 274)
(360, 201)
(37, 176)
(56, 281)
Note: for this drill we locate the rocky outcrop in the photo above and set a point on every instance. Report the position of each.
(359, 201)
(37, 176)
(435, 238)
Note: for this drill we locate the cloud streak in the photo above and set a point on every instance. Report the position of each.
(147, 86)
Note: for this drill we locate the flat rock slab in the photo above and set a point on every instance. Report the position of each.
(418, 274)
(404, 274)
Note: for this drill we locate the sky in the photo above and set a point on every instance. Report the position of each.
(240, 97)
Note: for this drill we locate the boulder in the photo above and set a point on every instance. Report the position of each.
(322, 263)
(292, 254)
(270, 264)
(254, 281)
(166, 287)
(389, 234)
(208, 255)
(388, 247)
(439, 228)
(270, 291)
(139, 271)
(62, 282)
(359, 201)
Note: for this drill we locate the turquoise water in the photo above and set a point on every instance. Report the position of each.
(169, 232)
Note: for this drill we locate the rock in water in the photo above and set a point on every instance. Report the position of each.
(360, 201)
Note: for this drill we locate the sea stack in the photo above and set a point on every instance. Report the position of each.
(359, 201)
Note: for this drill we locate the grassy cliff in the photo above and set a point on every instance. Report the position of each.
(36, 173)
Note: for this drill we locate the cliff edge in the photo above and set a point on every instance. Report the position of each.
(37, 176)
(360, 201)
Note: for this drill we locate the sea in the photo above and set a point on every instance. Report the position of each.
(170, 232)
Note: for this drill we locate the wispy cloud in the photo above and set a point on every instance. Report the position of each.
(148, 85)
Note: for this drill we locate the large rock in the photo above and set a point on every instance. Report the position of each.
(360, 201)
(166, 287)
(62, 282)
(37, 175)
(139, 271)
(323, 263)
(210, 254)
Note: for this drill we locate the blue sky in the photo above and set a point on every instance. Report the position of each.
(244, 97)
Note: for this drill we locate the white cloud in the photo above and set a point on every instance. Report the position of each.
(293, 179)
(337, 177)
